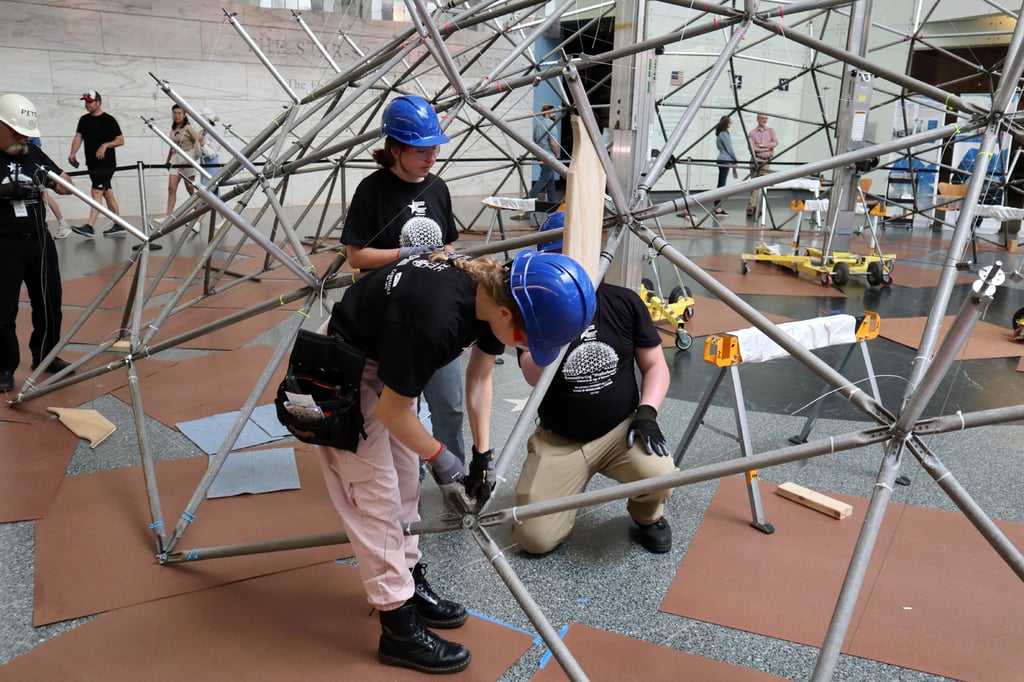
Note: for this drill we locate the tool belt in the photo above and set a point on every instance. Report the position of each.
(318, 401)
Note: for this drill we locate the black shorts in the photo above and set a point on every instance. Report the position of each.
(101, 178)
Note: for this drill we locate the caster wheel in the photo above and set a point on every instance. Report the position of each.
(683, 339)
(745, 267)
(826, 279)
(841, 274)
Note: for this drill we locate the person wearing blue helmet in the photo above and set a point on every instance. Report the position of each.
(409, 318)
(595, 419)
(400, 210)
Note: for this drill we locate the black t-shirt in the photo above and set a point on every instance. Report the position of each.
(383, 203)
(96, 130)
(26, 168)
(413, 317)
(595, 388)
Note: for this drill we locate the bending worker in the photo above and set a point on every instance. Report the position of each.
(409, 318)
(594, 419)
(403, 209)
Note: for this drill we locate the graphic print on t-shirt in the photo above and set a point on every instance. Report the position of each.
(591, 365)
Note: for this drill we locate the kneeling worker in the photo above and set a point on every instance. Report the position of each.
(594, 419)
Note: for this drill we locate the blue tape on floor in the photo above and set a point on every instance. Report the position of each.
(547, 654)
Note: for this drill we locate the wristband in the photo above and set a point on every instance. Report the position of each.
(440, 449)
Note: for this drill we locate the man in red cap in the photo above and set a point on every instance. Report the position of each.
(101, 134)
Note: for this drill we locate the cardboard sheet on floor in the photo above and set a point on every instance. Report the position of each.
(638, 660)
(208, 433)
(33, 459)
(320, 260)
(711, 316)
(210, 384)
(722, 262)
(932, 579)
(987, 340)
(104, 324)
(256, 472)
(248, 294)
(178, 268)
(916, 277)
(99, 523)
(83, 290)
(311, 624)
(87, 424)
(771, 280)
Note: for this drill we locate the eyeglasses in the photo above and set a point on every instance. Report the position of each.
(425, 151)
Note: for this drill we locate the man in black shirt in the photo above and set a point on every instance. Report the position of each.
(27, 252)
(101, 135)
(594, 419)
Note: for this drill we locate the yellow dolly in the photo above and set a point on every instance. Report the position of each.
(677, 309)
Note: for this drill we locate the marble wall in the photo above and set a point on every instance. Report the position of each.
(52, 51)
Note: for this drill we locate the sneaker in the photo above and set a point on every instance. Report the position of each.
(115, 231)
(84, 230)
(684, 214)
(656, 538)
(63, 230)
(520, 216)
(6, 380)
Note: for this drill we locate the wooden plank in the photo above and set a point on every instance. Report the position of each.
(584, 202)
(814, 500)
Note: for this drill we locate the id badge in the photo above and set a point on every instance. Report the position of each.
(19, 208)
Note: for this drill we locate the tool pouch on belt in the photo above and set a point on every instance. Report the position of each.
(324, 374)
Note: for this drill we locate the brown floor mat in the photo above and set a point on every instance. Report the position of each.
(99, 523)
(932, 579)
(986, 341)
(33, 459)
(207, 385)
(638, 660)
(771, 280)
(308, 624)
(82, 291)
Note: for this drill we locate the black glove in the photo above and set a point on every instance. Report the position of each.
(445, 467)
(406, 251)
(479, 481)
(16, 191)
(645, 427)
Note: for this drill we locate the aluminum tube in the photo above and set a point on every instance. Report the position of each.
(673, 206)
(262, 57)
(148, 122)
(849, 390)
(316, 42)
(528, 42)
(156, 513)
(707, 472)
(949, 99)
(825, 667)
(530, 608)
(30, 391)
(969, 420)
(915, 402)
(947, 277)
(290, 330)
(971, 509)
(273, 249)
(118, 220)
(286, 226)
(804, 7)
(655, 172)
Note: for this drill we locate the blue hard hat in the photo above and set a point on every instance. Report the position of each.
(411, 120)
(553, 222)
(556, 297)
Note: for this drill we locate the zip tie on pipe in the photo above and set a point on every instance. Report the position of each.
(156, 524)
(963, 423)
(192, 554)
(949, 107)
(301, 312)
(514, 517)
(883, 485)
(831, 445)
(188, 517)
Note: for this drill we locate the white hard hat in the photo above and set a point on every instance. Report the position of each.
(19, 113)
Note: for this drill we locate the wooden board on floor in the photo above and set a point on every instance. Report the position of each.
(33, 458)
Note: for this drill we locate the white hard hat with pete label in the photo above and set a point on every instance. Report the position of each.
(18, 112)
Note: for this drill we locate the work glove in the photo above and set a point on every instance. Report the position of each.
(406, 251)
(445, 467)
(16, 191)
(479, 481)
(645, 427)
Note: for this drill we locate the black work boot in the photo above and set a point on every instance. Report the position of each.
(405, 642)
(434, 611)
